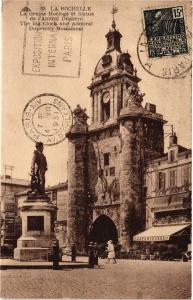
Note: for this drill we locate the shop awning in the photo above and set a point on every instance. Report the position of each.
(158, 233)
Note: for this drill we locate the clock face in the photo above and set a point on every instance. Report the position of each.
(106, 97)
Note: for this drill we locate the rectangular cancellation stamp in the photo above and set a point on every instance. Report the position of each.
(53, 37)
(165, 31)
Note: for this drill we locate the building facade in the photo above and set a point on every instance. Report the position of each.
(58, 195)
(10, 222)
(107, 160)
(168, 182)
(168, 198)
(120, 182)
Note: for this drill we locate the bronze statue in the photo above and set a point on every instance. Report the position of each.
(38, 170)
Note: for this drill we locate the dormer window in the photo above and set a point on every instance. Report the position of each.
(106, 76)
(172, 155)
(110, 43)
(106, 60)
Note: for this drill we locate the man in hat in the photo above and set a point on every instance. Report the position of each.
(91, 255)
(96, 254)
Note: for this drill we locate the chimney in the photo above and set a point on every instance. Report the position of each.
(150, 107)
(173, 140)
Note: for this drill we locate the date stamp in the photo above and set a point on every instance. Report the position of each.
(165, 32)
(47, 118)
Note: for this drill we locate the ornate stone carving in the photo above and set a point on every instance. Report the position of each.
(134, 96)
(79, 115)
(79, 120)
(107, 193)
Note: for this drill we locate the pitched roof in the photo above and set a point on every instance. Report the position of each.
(14, 181)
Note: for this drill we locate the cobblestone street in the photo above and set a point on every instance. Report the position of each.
(126, 279)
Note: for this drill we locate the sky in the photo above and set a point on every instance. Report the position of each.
(171, 96)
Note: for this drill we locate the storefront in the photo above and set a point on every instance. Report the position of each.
(173, 239)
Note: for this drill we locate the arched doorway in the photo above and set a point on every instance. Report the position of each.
(103, 230)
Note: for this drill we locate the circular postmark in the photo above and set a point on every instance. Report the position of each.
(166, 67)
(47, 118)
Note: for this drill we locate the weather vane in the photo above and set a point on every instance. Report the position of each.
(114, 11)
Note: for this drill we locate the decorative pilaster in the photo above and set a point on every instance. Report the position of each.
(96, 106)
(99, 106)
(92, 109)
(115, 99)
(111, 103)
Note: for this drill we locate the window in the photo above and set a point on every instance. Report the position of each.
(112, 171)
(186, 175)
(106, 159)
(78, 153)
(10, 228)
(100, 173)
(105, 76)
(35, 223)
(172, 178)
(110, 43)
(145, 191)
(54, 197)
(161, 180)
(172, 155)
(105, 111)
(106, 172)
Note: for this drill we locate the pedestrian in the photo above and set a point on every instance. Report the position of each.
(91, 255)
(96, 254)
(73, 253)
(111, 252)
(56, 255)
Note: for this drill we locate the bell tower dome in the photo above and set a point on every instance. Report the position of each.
(113, 39)
(113, 74)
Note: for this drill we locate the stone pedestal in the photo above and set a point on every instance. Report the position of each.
(37, 216)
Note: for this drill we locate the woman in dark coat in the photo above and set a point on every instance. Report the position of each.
(96, 254)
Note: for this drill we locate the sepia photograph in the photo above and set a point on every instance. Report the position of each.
(96, 149)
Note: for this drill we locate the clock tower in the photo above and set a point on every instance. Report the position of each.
(113, 74)
(107, 159)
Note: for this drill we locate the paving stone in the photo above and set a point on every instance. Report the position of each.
(126, 279)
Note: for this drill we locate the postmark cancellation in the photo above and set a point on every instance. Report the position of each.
(47, 118)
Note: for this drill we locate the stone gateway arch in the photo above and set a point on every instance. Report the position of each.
(102, 230)
(107, 159)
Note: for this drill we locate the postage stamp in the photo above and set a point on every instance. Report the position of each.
(53, 32)
(47, 118)
(164, 47)
(165, 31)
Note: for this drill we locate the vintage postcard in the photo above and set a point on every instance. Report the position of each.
(96, 149)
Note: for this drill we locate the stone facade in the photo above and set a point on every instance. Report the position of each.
(10, 223)
(168, 187)
(115, 164)
(107, 159)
